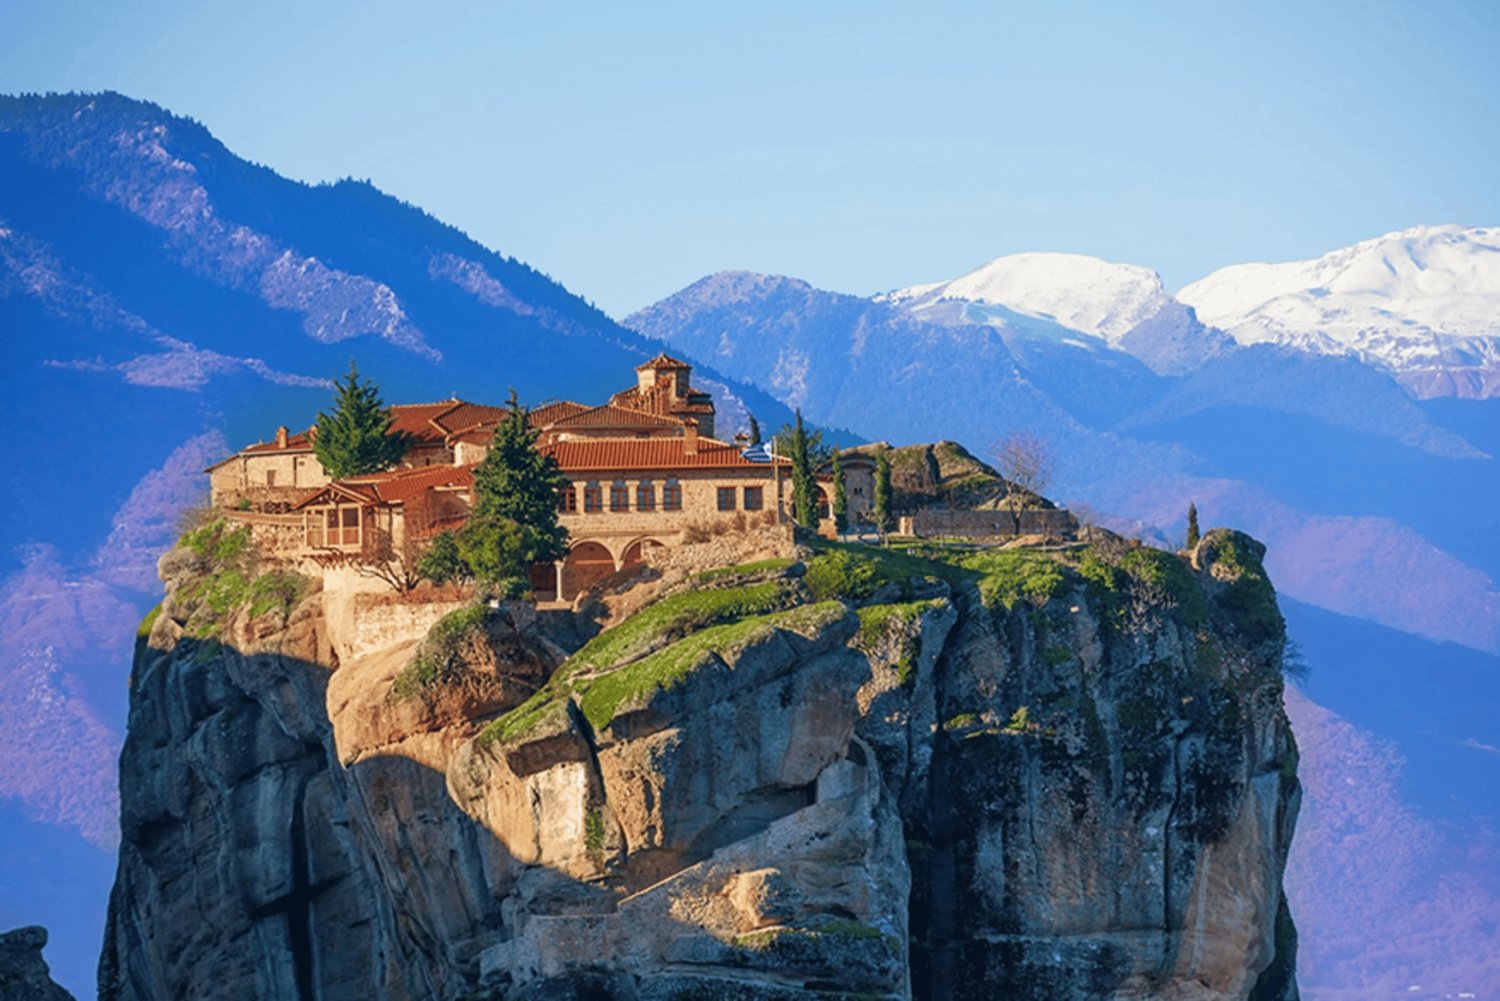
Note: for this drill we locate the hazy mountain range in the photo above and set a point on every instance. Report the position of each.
(162, 299)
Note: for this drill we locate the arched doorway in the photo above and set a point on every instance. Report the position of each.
(636, 552)
(586, 565)
(544, 581)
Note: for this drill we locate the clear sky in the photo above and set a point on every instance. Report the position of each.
(628, 149)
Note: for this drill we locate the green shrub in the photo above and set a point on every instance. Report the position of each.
(441, 561)
(277, 589)
(841, 574)
(1248, 596)
(1169, 575)
(1007, 576)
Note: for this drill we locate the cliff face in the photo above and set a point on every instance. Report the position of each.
(998, 778)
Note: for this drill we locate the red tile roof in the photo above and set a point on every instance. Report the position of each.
(611, 416)
(622, 454)
(299, 442)
(548, 414)
(396, 487)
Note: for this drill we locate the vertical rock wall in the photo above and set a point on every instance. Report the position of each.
(933, 795)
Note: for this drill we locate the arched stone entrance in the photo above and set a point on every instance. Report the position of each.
(586, 565)
(636, 552)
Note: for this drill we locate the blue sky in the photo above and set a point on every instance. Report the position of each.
(628, 149)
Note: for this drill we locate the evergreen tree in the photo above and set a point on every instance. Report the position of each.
(441, 562)
(355, 438)
(754, 430)
(804, 487)
(840, 496)
(883, 492)
(516, 488)
(1192, 528)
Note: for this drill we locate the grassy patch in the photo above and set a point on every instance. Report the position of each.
(1249, 597)
(143, 631)
(720, 575)
(1169, 575)
(1007, 576)
(601, 696)
(675, 617)
(226, 582)
(278, 589)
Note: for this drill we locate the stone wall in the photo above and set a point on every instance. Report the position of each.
(929, 524)
(387, 619)
(251, 476)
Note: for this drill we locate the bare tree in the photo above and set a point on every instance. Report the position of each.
(1024, 461)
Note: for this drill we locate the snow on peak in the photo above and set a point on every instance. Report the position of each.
(1085, 293)
(1433, 282)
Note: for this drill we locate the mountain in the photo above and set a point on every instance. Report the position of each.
(1060, 296)
(1422, 304)
(162, 300)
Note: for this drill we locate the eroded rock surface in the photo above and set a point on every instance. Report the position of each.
(1006, 779)
(24, 975)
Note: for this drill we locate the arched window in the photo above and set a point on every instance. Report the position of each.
(671, 496)
(593, 498)
(645, 496)
(619, 496)
(568, 499)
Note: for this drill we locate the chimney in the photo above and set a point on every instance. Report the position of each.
(281, 437)
(742, 439)
(690, 438)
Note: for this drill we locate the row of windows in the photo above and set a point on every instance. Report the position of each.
(754, 498)
(729, 498)
(619, 497)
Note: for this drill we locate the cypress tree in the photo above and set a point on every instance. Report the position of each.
(883, 492)
(754, 430)
(514, 521)
(804, 489)
(1192, 526)
(355, 437)
(840, 496)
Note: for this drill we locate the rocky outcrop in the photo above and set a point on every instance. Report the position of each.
(24, 975)
(997, 775)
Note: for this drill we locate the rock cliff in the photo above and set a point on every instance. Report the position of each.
(24, 975)
(842, 773)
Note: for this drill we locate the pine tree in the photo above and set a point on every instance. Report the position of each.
(514, 521)
(883, 492)
(804, 489)
(355, 437)
(840, 496)
(1192, 526)
(754, 430)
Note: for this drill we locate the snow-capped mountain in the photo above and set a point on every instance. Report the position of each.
(1064, 295)
(1424, 304)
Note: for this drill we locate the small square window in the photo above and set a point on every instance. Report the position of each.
(754, 498)
(726, 498)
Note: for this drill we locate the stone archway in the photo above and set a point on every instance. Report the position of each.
(635, 553)
(586, 565)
